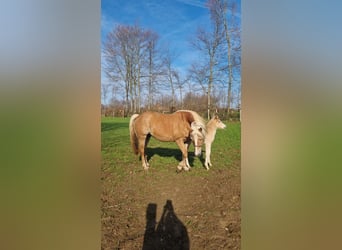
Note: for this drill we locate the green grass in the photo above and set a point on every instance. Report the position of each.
(118, 157)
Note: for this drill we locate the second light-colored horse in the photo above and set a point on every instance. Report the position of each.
(211, 128)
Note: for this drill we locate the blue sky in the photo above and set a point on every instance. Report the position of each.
(175, 21)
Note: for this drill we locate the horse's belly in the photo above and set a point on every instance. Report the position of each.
(162, 137)
(169, 132)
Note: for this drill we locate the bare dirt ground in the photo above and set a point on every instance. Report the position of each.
(161, 209)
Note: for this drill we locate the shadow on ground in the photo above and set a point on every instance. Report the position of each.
(169, 152)
(170, 232)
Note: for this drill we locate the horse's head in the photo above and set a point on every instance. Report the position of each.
(197, 135)
(218, 122)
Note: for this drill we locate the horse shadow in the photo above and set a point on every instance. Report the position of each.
(170, 233)
(202, 159)
(168, 152)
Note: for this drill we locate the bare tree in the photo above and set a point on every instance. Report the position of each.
(133, 62)
(104, 92)
(209, 43)
(218, 12)
(170, 74)
(179, 84)
(153, 66)
(125, 51)
(198, 74)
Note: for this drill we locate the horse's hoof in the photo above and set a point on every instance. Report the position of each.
(186, 168)
(179, 168)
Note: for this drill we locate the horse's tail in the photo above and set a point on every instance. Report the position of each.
(133, 136)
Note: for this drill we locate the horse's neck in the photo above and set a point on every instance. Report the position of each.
(211, 131)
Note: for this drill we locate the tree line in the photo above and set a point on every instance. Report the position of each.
(142, 72)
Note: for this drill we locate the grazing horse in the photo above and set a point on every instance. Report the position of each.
(211, 128)
(182, 127)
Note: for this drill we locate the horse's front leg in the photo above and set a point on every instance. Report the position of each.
(207, 155)
(184, 162)
(187, 144)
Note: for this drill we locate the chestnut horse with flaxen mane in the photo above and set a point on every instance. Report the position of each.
(182, 127)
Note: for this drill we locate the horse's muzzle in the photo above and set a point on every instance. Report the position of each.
(198, 151)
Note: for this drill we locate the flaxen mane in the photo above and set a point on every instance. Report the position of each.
(195, 117)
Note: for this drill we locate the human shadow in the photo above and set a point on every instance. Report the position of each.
(169, 152)
(170, 233)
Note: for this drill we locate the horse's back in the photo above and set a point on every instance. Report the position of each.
(165, 127)
(159, 118)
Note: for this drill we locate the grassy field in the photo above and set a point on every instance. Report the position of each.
(117, 153)
(205, 203)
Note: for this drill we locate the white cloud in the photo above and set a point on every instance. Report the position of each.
(195, 3)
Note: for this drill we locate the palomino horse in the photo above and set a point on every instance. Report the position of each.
(181, 127)
(211, 128)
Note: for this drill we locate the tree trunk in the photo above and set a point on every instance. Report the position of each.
(230, 71)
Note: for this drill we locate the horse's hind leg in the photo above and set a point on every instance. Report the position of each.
(148, 137)
(142, 143)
